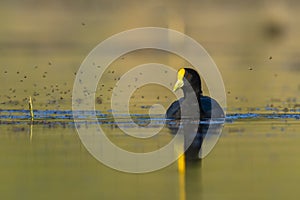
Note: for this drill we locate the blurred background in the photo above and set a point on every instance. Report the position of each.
(254, 43)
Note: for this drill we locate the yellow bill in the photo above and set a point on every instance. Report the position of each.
(179, 83)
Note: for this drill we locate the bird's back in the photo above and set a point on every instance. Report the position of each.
(210, 109)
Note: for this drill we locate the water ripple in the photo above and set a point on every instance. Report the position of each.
(67, 115)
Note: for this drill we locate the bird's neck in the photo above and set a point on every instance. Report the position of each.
(187, 93)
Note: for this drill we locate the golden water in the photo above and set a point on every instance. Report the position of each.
(255, 45)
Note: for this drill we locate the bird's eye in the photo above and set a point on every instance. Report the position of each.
(188, 76)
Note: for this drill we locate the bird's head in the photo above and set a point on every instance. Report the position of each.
(188, 80)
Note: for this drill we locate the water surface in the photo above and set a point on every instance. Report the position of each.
(252, 159)
(255, 45)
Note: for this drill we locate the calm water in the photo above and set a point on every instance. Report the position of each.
(253, 159)
(255, 45)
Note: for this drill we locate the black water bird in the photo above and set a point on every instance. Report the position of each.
(189, 81)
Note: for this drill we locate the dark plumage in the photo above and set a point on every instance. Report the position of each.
(209, 108)
(189, 81)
